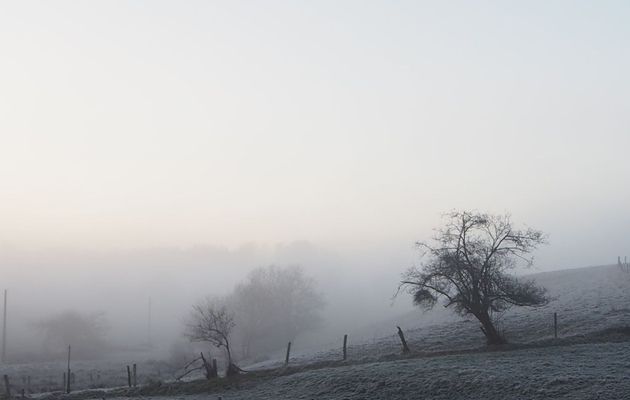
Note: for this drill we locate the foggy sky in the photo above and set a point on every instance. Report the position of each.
(133, 131)
(144, 124)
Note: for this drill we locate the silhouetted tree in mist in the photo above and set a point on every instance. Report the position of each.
(467, 265)
(273, 306)
(211, 321)
(85, 332)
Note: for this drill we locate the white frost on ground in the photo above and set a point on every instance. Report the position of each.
(586, 300)
(594, 371)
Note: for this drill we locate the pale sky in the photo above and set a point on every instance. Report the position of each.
(348, 124)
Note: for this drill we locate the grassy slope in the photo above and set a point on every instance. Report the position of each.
(580, 367)
(586, 300)
(577, 372)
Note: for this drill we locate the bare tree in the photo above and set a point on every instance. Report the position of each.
(467, 265)
(212, 322)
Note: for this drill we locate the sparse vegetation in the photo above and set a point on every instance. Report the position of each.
(212, 322)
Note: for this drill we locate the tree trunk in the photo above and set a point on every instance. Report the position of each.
(487, 327)
(229, 353)
(232, 370)
(211, 371)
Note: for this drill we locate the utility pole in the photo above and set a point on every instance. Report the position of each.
(149, 324)
(4, 329)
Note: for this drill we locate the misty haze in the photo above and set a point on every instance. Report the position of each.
(208, 200)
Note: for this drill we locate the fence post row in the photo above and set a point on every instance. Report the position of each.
(132, 379)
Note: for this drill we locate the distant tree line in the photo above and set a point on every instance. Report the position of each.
(85, 331)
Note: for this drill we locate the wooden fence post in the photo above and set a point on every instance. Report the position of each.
(286, 360)
(135, 376)
(211, 369)
(555, 325)
(68, 375)
(402, 340)
(205, 365)
(345, 343)
(7, 386)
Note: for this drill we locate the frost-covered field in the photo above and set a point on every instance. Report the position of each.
(593, 371)
(48, 376)
(586, 300)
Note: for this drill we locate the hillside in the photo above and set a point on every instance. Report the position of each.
(578, 372)
(585, 299)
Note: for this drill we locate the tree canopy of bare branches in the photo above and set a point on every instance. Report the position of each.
(467, 265)
(211, 321)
